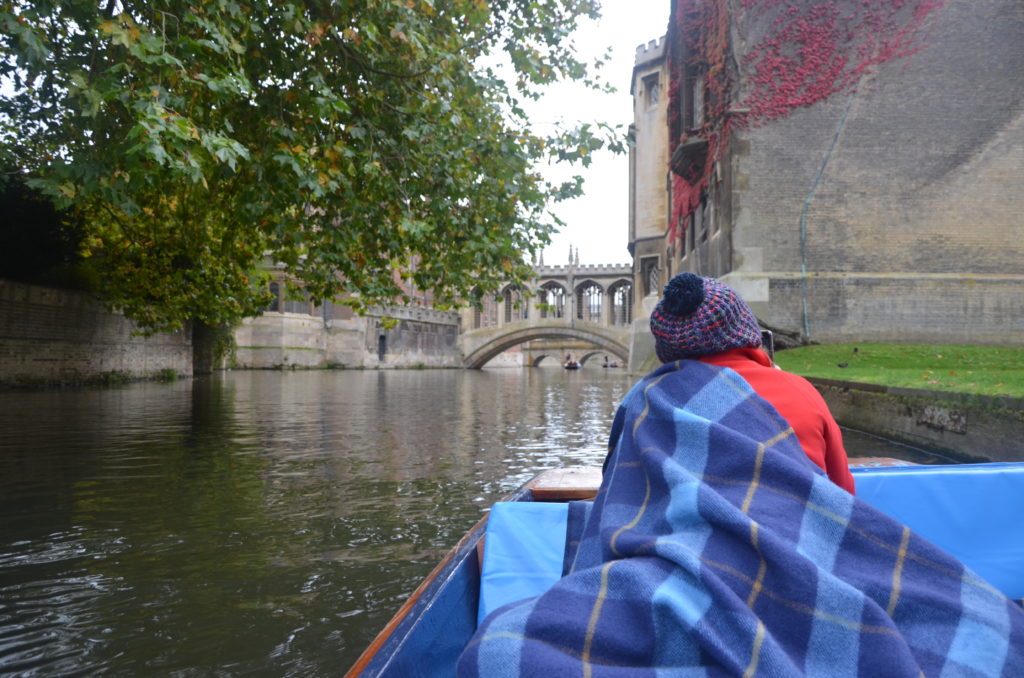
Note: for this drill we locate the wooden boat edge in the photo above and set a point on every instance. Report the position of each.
(475, 535)
(560, 484)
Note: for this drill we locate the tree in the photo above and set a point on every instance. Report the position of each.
(348, 139)
(38, 244)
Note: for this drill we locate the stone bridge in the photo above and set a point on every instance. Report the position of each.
(481, 345)
(589, 303)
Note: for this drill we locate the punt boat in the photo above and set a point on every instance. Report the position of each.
(970, 510)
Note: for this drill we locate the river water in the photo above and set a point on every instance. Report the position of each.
(262, 523)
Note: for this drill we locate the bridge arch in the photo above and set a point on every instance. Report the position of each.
(607, 341)
(558, 357)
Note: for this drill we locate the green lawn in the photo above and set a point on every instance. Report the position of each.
(988, 370)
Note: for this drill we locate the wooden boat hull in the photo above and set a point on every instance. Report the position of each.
(428, 633)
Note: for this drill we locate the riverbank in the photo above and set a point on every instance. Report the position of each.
(966, 401)
(979, 370)
(54, 337)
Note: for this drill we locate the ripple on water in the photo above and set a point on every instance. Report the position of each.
(258, 523)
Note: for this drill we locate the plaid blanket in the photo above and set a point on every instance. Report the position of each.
(716, 548)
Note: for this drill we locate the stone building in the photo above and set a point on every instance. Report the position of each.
(295, 331)
(855, 170)
(648, 166)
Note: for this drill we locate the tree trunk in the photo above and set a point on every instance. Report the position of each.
(204, 348)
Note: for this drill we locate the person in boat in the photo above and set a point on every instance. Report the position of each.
(704, 319)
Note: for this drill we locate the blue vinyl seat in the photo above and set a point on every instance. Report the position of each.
(971, 511)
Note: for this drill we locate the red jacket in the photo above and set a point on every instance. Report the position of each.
(799, 403)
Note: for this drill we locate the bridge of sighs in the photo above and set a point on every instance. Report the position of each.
(591, 305)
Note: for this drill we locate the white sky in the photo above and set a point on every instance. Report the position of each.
(597, 222)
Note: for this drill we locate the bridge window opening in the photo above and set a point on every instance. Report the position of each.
(553, 300)
(515, 304)
(486, 314)
(622, 304)
(588, 302)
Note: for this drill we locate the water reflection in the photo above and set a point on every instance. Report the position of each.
(262, 523)
(258, 523)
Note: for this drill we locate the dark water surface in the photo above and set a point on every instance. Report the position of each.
(262, 523)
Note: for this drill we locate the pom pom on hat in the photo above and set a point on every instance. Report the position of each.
(683, 294)
(701, 316)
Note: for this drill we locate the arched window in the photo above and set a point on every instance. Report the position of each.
(552, 296)
(486, 314)
(297, 300)
(515, 304)
(649, 275)
(621, 295)
(588, 302)
(275, 304)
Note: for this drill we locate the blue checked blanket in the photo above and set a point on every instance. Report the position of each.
(716, 548)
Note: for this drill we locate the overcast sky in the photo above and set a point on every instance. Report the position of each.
(597, 223)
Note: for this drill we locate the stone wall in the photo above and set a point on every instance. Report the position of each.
(970, 427)
(422, 337)
(275, 340)
(915, 231)
(962, 309)
(52, 336)
(648, 168)
(419, 337)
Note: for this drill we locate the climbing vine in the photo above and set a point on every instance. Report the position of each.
(802, 52)
(702, 46)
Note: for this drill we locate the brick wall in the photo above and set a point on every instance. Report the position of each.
(51, 336)
(916, 229)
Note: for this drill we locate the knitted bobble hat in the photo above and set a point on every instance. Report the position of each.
(701, 316)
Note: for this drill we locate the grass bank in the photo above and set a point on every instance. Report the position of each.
(985, 370)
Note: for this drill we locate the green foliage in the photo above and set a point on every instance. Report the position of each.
(224, 347)
(363, 144)
(984, 370)
(38, 243)
(167, 374)
(113, 378)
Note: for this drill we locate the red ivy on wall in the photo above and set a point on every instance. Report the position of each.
(809, 51)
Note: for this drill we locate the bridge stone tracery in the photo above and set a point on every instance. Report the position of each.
(591, 303)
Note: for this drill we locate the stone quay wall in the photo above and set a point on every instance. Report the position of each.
(338, 339)
(51, 336)
(971, 428)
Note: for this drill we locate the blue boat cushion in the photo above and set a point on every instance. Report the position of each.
(971, 511)
(522, 553)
